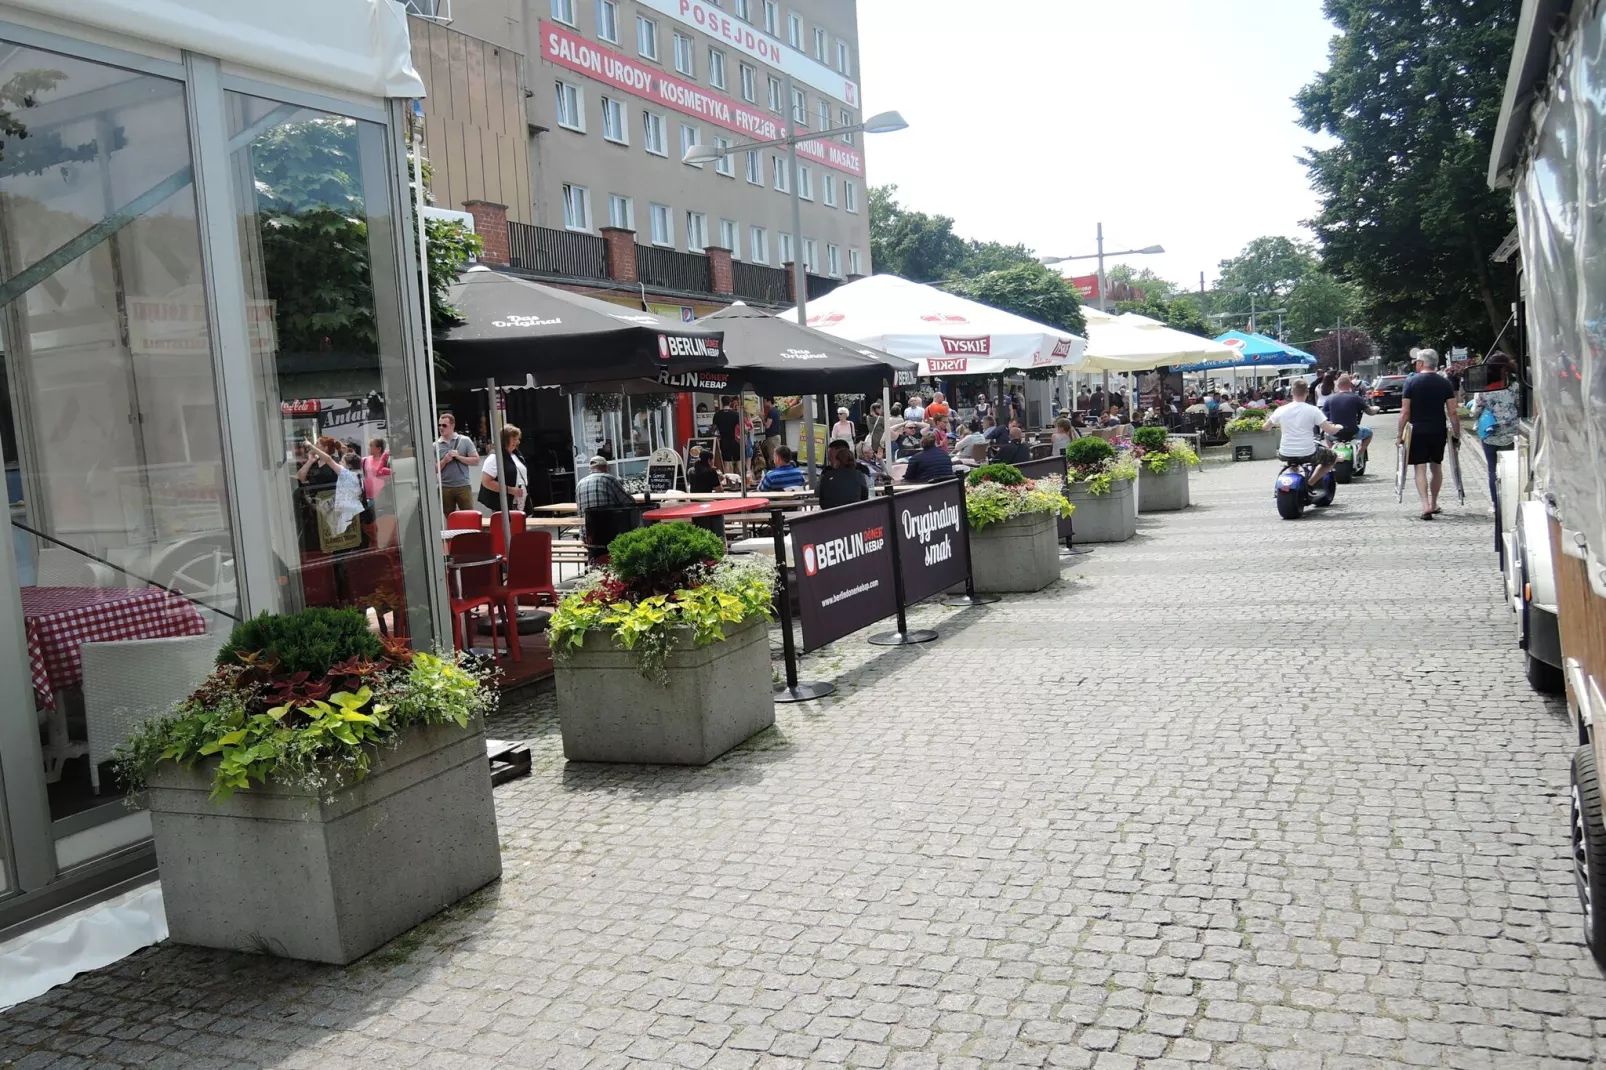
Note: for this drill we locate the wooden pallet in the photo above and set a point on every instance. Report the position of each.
(509, 760)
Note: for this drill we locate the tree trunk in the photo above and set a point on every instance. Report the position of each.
(1485, 282)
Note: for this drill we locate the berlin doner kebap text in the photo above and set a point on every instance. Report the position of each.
(931, 526)
(844, 571)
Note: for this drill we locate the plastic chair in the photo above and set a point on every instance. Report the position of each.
(128, 682)
(514, 520)
(529, 575)
(473, 587)
(604, 523)
(374, 581)
(465, 520)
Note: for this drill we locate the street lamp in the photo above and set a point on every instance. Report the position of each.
(881, 123)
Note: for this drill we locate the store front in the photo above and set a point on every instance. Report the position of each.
(205, 281)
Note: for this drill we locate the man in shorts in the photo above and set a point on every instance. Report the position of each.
(1300, 420)
(1427, 407)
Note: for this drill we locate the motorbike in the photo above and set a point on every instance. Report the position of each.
(1295, 490)
(1351, 456)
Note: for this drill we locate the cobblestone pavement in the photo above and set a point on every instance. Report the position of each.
(1240, 792)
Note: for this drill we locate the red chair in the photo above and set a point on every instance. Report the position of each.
(374, 580)
(470, 588)
(515, 521)
(465, 520)
(317, 575)
(529, 575)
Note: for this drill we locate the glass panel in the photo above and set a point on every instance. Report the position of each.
(322, 294)
(109, 420)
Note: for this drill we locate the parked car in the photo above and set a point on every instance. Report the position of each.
(1387, 392)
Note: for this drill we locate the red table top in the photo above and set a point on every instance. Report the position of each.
(701, 509)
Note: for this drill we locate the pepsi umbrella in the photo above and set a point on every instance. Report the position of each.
(513, 328)
(1252, 350)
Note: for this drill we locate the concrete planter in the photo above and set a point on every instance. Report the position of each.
(1103, 517)
(329, 880)
(717, 696)
(1263, 443)
(1021, 554)
(1165, 493)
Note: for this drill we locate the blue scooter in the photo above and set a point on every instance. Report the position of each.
(1295, 491)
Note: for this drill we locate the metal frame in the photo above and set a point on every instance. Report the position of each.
(373, 111)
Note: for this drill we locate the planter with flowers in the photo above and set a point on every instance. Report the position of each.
(321, 793)
(1248, 429)
(1163, 464)
(1014, 529)
(1101, 480)
(663, 657)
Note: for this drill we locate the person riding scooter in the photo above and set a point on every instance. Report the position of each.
(1300, 421)
(1345, 407)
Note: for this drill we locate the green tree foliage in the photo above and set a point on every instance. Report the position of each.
(1029, 290)
(1412, 95)
(1179, 313)
(1269, 268)
(1153, 286)
(924, 248)
(23, 152)
(1318, 303)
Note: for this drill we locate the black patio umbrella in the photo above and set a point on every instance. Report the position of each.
(513, 328)
(777, 356)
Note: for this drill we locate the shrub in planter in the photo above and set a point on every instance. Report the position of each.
(1014, 534)
(1096, 466)
(663, 656)
(1247, 422)
(1248, 428)
(1101, 479)
(314, 757)
(1163, 483)
(1003, 474)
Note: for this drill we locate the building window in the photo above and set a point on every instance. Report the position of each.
(828, 188)
(653, 134)
(800, 108)
(847, 120)
(730, 237)
(576, 207)
(775, 94)
(805, 182)
(646, 37)
(758, 240)
(842, 57)
(688, 138)
(855, 262)
(820, 45)
(613, 121)
(570, 112)
(794, 31)
(563, 11)
(725, 165)
(663, 225)
(621, 212)
(696, 231)
(755, 168)
(825, 115)
(786, 249)
(608, 21)
(850, 195)
(716, 68)
(779, 163)
(810, 257)
(743, 9)
(749, 79)
(685, 56)
(772, 15)
(833, 261)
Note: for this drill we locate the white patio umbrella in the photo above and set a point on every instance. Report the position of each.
(945, 333)
(1133, 343)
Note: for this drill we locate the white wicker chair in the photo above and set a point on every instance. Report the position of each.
(127, 683)
(59, 567)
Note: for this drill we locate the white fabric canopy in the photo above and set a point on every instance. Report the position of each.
(948, 335)
(360, 46)
(1133, 343)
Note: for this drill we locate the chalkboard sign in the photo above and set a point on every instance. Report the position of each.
(663, 470)
(1243, 453)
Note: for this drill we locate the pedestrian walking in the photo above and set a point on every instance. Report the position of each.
(453, 455)
(1427, 407)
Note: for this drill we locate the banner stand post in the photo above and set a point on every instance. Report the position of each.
(970, 597)
(791, 691)
(903, 636)
(1070, 548)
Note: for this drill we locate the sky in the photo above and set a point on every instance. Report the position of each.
(1169, 121)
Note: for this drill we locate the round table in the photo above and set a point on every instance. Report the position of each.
(707, 515)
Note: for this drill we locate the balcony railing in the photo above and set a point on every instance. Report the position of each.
(556, 252)
(820, 285)
(672, 270)
(756, 282)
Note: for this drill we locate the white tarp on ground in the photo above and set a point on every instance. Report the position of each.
(947, 334)
(357, 45)
(1133, 343)
(40, 959)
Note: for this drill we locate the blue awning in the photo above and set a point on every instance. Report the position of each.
(1254, 349)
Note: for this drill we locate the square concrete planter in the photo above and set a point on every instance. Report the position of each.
(1019, 555)
(1165, 493)
(1103, 517)
(1264, 443)
(717, 696)
(277, 868)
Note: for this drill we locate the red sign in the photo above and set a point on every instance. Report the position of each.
(567, 49)
(942, 365)
(970, 347)
(1087, 287)
(1062, 350)
(300, 408)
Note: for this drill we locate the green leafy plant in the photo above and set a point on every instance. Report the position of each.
(992, 502)
(1248, 421)
(1150, 439)
(1004, 474)
(1088, 453)
(663, 558)
(306, 642)
(603, 402)
(1102, 481)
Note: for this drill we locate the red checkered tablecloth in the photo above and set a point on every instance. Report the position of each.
(59, 620)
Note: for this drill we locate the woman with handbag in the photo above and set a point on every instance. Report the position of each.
(1496, 412)
(504, 460)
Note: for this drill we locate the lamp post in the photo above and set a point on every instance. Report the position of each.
(881, 123)
(1147, 250)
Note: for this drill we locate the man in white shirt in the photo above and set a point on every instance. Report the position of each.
(915, 410)
(1300, 420)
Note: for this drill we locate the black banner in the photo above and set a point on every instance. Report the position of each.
(844, 570)
(930, 525)
(1049, 468)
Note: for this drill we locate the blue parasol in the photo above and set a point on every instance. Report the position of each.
(1254, 349)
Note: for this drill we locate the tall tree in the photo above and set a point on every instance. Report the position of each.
(1029, 290)
(1412, 95)
(917, 246)
(1268, 269)
(1318, 303)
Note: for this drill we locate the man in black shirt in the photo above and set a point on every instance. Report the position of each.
(1015, 451)
(727, 422)
(1427, 406)
(1345, 407)
(931, 464)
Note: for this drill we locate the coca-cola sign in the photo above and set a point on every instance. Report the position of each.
(969, 347)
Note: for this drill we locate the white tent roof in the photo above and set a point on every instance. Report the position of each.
(947, 334)
(360, 46)
(1133, 343)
